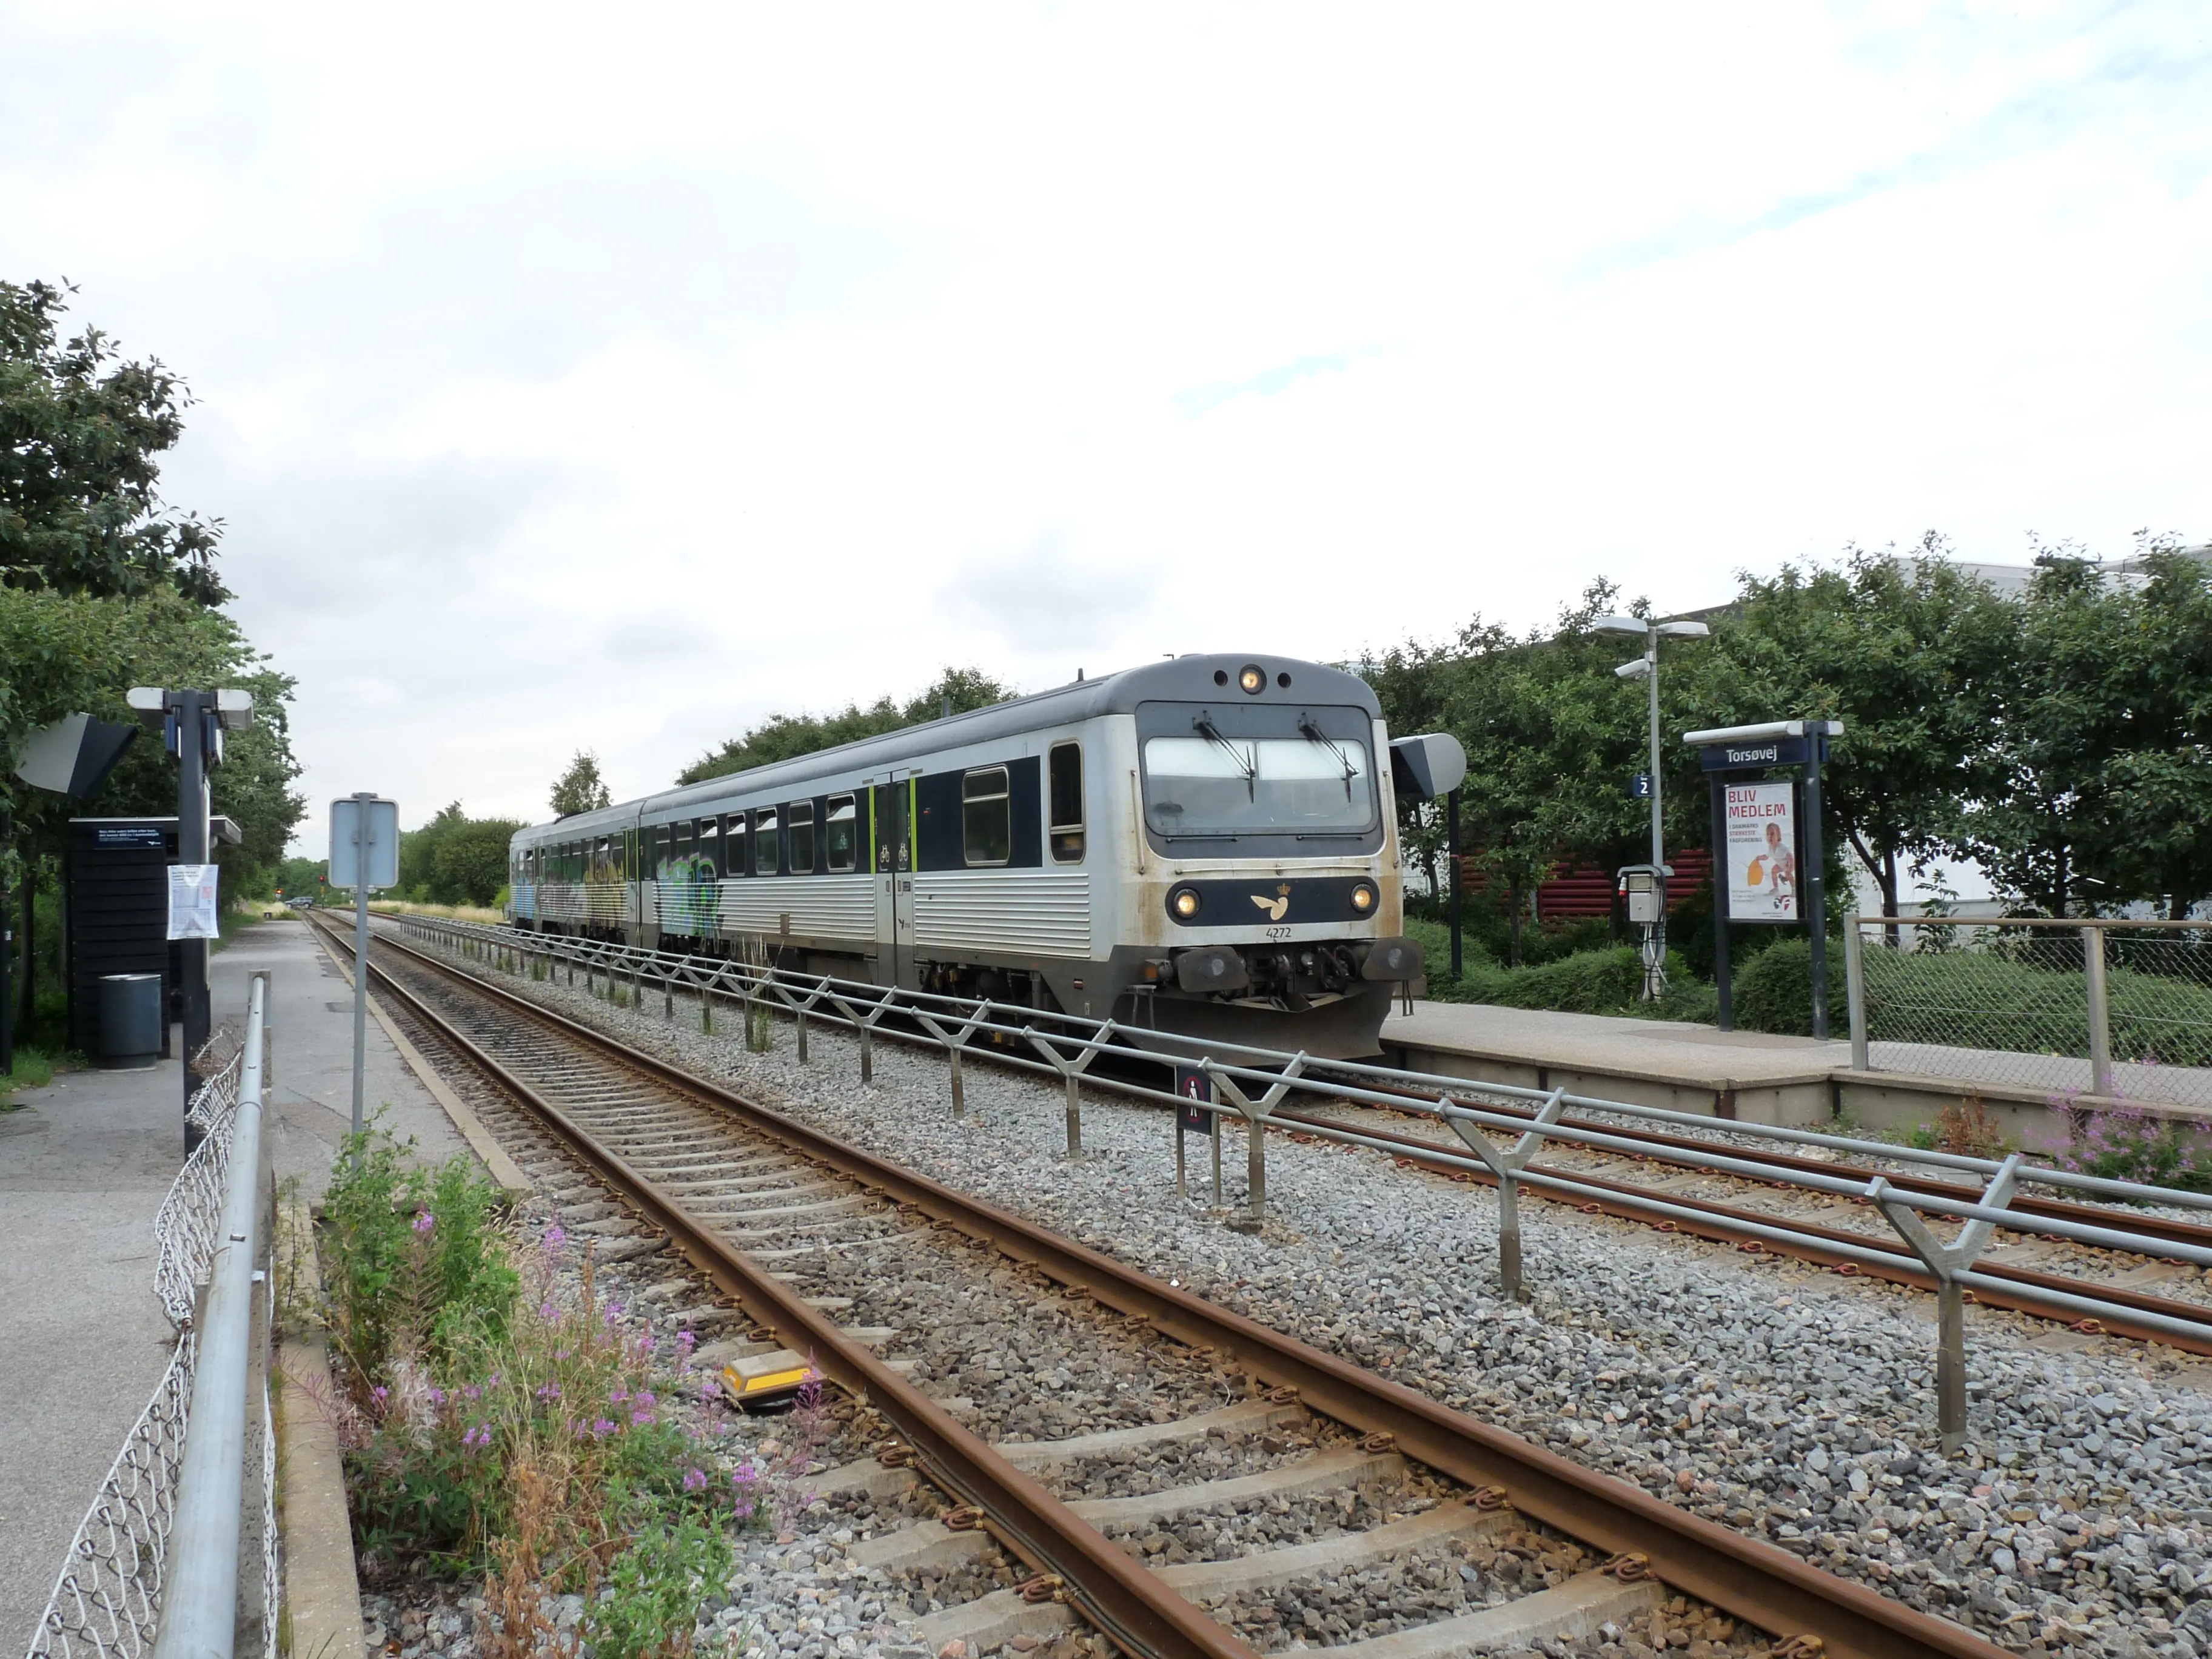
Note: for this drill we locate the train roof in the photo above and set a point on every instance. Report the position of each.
(1177, 679)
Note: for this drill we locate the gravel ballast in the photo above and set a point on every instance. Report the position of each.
(1790, 1403)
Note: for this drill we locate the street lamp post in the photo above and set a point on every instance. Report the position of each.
(1646, 668)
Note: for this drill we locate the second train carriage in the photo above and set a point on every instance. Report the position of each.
(1204, 845)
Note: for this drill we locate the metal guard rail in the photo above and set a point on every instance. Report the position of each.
(842, 1002)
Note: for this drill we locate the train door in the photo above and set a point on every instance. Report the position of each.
(894, 867)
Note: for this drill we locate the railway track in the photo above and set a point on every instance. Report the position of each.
(1833, 1231)
(1489, 1538)
(2035, 1274)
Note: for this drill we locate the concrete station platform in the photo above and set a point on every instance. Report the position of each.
(1748, 1075)
(84, 1165)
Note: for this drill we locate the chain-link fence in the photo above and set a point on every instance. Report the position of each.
(108, 1598)
(2074, 1008)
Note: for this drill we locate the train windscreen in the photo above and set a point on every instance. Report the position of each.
(1229, 785)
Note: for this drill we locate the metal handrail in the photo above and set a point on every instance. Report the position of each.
(199, 1601)
(1253, 1092)
(823, 996)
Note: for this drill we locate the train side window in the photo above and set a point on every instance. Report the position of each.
(840, 835)
(687, 841)
(1064, 770)
(802, 838)
(733, 844)
(768, 842)
(987, 819)
(710, 843)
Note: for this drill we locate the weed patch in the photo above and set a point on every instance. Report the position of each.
(497, 1416)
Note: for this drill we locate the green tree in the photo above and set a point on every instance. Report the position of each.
(1905, 652)
(2099, 785)
(301, 879)
(787, 736)
(470, 863)
(455, 858)
(65, 652)
(80, 428)
(580, 788)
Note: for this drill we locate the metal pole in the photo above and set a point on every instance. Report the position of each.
(1951, 1364)
(8, 949)
(1074, 1117)
(1720, 877)
(360, 840)
(192, 710)
(2100, 1012)
(199, 1602)
(1509, 1237)
(1451, 849)
(1855, 990)
(959, 1091)
(1815, 886)
(1214, 1135)
(1655, 971)
(1255, 1166)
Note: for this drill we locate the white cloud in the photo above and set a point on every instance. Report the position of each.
(575, 378)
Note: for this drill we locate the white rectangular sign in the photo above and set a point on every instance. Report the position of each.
(379, 827)
(191, 901)
(1762, 852)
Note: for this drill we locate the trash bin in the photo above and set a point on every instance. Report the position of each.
(130, 1021)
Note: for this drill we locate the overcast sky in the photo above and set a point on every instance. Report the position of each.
(612, 377)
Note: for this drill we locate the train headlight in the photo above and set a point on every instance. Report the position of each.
(1363, 898)
(1183, 904)
(1253, 679)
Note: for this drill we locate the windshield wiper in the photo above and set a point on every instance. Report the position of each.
(1313, 733)
(1206, 728)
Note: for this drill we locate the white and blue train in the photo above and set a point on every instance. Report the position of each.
(1205, 845)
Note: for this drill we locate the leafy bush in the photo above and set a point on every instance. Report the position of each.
(417, 1268)
(1773, 991)
(1603, 982)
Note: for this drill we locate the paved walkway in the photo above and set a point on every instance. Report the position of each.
(84, 1165)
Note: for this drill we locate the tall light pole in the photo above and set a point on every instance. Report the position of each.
(1646, 668)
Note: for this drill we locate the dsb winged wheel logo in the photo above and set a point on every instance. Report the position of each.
(1274, 907)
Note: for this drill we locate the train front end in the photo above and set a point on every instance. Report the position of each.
(1265, 880)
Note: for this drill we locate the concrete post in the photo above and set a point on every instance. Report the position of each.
(2100, 1012)
(1855, 990)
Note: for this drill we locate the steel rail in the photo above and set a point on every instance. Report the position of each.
(671, 970)
(1129, 1604)
(1789, 1164)
(2118, 1311)
(1402, 1085)
(1751, 1580)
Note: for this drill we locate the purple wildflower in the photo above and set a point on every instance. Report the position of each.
(646, 1398)
(694, 1479)
(423, 1222)
(642, 1419)
(548, 1312)
(601, 1428)
(555, 1238)
(551, 1391)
